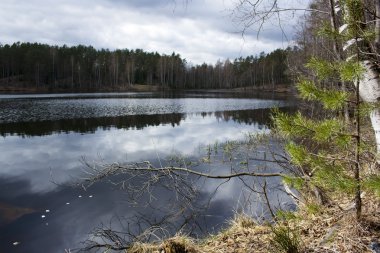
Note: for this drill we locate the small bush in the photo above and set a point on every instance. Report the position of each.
(286, 215)
(285, 240)
(313, 208)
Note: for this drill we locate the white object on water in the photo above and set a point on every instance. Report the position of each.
(79, 196)
(43, 216)
(68, 203)
(90, 196)
(47, 210)
(16, 243)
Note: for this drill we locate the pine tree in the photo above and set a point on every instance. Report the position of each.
(328, 152)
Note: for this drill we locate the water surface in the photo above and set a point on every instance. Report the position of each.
(44, 138)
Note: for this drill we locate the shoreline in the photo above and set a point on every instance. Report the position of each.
(9, 90)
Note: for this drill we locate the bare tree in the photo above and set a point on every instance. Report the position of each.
(254, 14)
(183, 178)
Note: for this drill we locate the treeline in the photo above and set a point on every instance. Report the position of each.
(34, 65)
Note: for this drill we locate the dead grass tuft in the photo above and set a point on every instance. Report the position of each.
(328, 230)
(243, 235)
(142, 248)
(337, 230)
(177, 244)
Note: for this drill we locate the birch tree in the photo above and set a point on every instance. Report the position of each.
(354, 31)
(358, 33)
(358, 37)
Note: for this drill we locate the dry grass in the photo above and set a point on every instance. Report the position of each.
(335, 230)
(243, 235)
(327, 230)
(176, 244)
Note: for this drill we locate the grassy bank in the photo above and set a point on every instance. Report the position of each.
(310, 229)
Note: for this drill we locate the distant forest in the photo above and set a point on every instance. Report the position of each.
(37, 66)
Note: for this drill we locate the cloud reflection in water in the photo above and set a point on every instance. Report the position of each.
(30, 154)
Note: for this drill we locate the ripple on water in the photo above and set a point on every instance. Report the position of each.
(25, 110)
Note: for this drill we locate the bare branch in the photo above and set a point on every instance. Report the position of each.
(146, 166)
(248, 13)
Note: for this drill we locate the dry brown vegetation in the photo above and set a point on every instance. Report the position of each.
(242, 235)
(334, 229)
(320, 229)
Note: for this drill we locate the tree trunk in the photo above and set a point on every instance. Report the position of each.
(72, 72)
(369, 84)
(338, 49)
(369, 89)
(358, 199)
(377, 32)
(375, 120)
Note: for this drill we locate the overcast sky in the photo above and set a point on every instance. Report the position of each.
(200, 31)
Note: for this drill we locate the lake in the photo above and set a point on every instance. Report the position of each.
(46, 137)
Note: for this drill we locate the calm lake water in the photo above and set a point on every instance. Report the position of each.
(44, 138)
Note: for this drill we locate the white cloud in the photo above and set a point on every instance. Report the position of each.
(200, 31)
